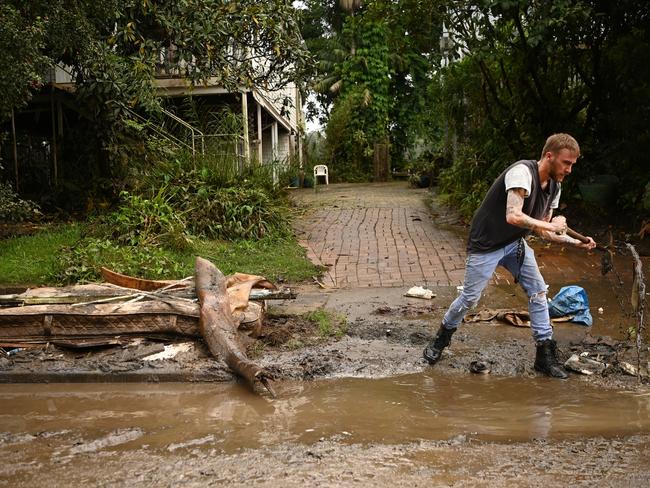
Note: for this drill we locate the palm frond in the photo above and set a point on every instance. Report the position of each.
(367, 97)
(336, 87)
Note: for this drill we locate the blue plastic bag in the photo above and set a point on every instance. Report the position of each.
(571, 300)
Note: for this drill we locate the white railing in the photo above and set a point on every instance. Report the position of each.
(168, 136)
(196, 133)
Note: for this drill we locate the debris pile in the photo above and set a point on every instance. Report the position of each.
(602, 356)
(222, 310)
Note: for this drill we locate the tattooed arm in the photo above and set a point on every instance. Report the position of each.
(551, 235)
(516, 216)
(554, 236)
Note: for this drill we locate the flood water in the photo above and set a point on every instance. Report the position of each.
(45, 420)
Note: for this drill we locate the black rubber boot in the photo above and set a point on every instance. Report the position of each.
(547, 360)
(433, 351)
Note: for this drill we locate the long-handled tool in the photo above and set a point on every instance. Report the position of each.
(606, 264)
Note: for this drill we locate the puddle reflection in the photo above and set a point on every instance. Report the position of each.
(391, 410)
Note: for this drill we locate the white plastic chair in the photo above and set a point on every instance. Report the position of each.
(320, 170)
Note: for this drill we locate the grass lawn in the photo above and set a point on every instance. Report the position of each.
(275, 259)
(35, 260)
(28, 260)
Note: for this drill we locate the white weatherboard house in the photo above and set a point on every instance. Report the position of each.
(272, 132)
(273, 129)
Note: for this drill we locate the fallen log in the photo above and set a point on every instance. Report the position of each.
(218, 326)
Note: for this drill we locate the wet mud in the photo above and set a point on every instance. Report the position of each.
(417, 429)
(363, 409)
(386, 333)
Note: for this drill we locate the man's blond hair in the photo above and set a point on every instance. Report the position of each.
(557, 142)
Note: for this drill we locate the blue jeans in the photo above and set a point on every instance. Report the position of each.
(478, 271)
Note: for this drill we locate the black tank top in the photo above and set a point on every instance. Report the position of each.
(489, 230)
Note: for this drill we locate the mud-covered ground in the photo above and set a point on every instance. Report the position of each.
(385, 335)
(380, 333)
(457, 462)
(382, 339)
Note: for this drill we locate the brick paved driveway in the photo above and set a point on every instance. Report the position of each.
(378, 235)
(386, 235)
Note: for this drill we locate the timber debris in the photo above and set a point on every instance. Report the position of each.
(220, 309)
(218, 327)
(638, 301)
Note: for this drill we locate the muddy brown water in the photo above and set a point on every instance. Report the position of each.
(63, 419)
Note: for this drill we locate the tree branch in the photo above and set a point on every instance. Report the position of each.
(530, 61)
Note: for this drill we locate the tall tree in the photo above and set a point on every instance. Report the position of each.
(374, 65)
(113, 47)
(527, 69)
(414, 28)
(359, 116)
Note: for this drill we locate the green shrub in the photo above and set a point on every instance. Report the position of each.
(15, 209)
(236, 213)
(81, 262)
(467, 180)
(147, 222)
(215, 202)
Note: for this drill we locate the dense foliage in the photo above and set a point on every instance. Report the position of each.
(524, 70)
(518, 70)
(175, 202)
(114, 47)
(515, 72)
(374, 64)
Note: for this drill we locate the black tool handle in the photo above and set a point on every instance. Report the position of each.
(576, 235)
(581, 238)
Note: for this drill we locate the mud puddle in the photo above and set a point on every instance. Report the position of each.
(60, 418)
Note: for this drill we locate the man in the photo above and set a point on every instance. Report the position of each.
(521, 200)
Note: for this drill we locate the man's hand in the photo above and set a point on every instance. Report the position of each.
(566, 239)
(587, 245)
(558, 234)
(559, 224)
